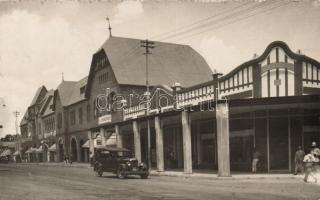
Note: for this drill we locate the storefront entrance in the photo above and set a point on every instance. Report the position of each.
(279, 143)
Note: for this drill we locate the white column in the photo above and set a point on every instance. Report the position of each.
(103, 137)
(159, 144)
(91, 145)
(137, 142)
(119, 136)
(222, 117)
(186, 136)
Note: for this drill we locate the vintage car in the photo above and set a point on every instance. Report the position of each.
(118, 161)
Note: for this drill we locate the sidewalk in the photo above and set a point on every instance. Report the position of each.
(196, 174)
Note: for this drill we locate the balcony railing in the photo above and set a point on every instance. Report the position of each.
(185, 97)
(134, 111)
(195, 95)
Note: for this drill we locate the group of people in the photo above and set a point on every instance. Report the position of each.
(68, 159)
(307, 163)
(304, 163)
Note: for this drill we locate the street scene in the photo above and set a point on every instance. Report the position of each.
(160, 99)
(43, 182)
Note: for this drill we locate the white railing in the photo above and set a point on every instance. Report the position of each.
(134, 111)
(194, 96)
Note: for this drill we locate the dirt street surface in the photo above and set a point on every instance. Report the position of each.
(47, 182)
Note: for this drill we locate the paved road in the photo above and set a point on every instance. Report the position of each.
(47, 182)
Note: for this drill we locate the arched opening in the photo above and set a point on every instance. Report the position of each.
(74, 155)
(81, 151)
(61, 150)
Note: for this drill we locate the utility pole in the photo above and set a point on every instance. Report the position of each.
(148, 45)
(16, 114)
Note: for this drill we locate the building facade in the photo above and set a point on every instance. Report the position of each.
(197, 120)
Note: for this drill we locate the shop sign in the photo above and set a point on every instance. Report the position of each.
(104, 119)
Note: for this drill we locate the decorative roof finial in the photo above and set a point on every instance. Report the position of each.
(110, 34)
(62, 77)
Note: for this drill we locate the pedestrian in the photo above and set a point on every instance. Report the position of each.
(255, 160)
(70, 159)
(298, 160)
(65, 159)
(309, 161)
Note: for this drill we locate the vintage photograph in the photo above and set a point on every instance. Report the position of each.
(160, 99)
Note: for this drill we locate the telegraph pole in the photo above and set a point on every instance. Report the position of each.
(148, 45)
(16, 114)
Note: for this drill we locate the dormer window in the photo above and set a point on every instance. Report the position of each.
(82, 89)
(103, 78)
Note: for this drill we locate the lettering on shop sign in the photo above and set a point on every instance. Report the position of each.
(105, 119)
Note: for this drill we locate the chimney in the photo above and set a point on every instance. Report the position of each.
(215, 77)
(176, 87)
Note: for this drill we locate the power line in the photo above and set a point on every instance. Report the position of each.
(200, 21)
(234, 21)
(219, 18)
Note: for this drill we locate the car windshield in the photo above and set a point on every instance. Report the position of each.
(125, 154)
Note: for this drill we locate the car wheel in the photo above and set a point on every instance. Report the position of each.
(99, 172)
(144, 176)
(121, 173)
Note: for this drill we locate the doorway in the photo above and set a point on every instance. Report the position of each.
(279, 143)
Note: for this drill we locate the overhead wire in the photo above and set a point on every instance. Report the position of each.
(235, 20)
(199, 21)
(221, 17)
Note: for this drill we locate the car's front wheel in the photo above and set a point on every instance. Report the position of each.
(121, 173)
(99, 171)
(144, 176)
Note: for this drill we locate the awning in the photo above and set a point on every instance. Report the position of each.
(16, 153)
(86, 144)
(112, 140)
(39, 150)
(53, 147)
(6, 152)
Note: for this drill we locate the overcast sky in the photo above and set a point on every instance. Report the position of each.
(41, 39)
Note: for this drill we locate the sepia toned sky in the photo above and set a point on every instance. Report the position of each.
(41, 39)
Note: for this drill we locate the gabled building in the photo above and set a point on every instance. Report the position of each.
(70, 108)
(118, 74)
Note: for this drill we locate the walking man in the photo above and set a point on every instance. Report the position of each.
(298, 160)
(256, 156)
(311, 160)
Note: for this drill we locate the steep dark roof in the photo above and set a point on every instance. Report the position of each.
(76, 96)
(266, 52)
(69, 91)
(36, 96)
(65, 89)
(168, 63)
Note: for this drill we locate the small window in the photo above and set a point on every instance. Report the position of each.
(103, 78)
(88, 113)
(80, 116)
(82, 89)
(72, 117)
(59, 121)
